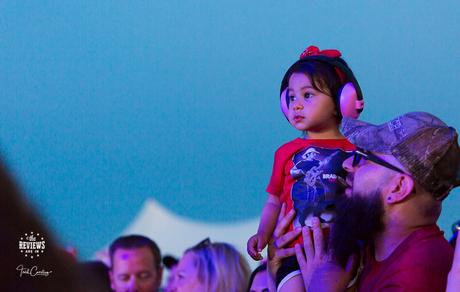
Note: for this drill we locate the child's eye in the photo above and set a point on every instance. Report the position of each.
(291, 98)
(307, 95)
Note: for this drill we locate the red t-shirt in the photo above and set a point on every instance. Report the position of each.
(307, 175)
(420, 263)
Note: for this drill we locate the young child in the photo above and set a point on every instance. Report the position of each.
(316, 92)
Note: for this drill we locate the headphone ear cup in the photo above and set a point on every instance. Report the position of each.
(283, 102)
(350, 105)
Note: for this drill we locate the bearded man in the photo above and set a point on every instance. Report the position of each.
(397, 179)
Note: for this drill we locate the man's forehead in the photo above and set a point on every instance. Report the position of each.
(130, 252)
(141, 254)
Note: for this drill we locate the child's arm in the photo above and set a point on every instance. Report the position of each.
(267, 224)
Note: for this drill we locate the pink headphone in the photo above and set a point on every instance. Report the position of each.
(349, 98)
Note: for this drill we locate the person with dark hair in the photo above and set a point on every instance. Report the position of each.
(135, 264)
(259, 281)
(316, 92)
(25, 269)
(98, 274)
(397, 180)
(455, 229)
(170, 263)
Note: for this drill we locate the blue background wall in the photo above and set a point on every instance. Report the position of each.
(106, 103)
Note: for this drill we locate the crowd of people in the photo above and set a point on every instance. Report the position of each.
(351, 206)
(384, 236)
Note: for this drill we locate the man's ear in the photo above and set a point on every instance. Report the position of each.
(401, 186)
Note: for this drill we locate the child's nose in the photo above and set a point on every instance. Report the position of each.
(297, 106)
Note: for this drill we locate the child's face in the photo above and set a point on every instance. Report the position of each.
(309, 109)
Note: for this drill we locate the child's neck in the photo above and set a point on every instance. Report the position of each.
(328, 134)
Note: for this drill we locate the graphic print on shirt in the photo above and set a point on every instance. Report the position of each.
(319, 177)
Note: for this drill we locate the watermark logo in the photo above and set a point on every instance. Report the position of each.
(32, 245)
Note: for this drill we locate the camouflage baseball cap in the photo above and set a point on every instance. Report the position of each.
(421, 142)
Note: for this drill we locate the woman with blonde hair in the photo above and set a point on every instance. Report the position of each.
(211, 267)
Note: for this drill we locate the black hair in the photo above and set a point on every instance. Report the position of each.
(18, 217)
(136, 241)
(261, 268)
(327, 75)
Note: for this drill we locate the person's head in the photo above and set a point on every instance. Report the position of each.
(17, 217)
(98, 273)
(318, 90)
(416, 152)
(170, 263)
(258, 281)
(135, 264)
(455, 229)
(400, 173)
(211, 267)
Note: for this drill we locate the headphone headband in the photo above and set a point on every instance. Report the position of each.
(348, 106)
(337, 63)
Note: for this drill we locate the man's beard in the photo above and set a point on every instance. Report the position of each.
(359, 219)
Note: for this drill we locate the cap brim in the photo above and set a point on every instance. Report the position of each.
(365, 135)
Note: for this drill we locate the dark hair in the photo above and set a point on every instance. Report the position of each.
(17, 217)
(261, 268)
(170, 261)
(326, 74)
(136, 241)
(98, 273)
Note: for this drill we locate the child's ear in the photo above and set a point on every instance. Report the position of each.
(350, 106)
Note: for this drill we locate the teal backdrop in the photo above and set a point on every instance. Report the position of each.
(107, 103)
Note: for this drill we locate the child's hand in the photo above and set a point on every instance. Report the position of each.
(255, 245)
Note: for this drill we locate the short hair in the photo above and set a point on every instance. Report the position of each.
(260, 268)
(221, 267)
(136, 241)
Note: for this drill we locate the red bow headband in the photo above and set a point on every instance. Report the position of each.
(315, 51)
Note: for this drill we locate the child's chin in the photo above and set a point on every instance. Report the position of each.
(299, 127)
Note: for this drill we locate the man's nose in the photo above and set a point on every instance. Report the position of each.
(348, 164)
(133, 284)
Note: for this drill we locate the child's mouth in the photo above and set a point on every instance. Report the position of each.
(298, 118)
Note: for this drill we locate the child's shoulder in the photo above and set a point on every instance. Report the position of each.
(288, 149)
(297, 142)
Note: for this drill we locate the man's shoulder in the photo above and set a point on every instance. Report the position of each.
(420, 263)
(426, 244)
